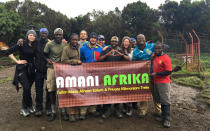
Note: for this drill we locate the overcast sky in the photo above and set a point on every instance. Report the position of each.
(73, 8)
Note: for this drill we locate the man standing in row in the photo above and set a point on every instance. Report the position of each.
(114, 54)
(53, 51)
(144, 51)
(90, 53)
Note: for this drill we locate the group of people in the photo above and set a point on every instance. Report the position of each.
(36, 58)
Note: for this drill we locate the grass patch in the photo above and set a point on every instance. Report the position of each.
(206, 93)
(193, 81)
(5, 80)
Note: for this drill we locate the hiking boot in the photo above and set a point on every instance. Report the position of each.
(96, 113)
(24, 112)
(51, 117)
(129, 112)
(119, 114)
(64, 116)
(77, 117)
(48, 112)
(107, 114)
(31, 109)
(72, 118)
(82, 117)
(166, 124)
(38, 113)
(141, 114)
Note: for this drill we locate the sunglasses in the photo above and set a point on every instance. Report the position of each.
(114, 41)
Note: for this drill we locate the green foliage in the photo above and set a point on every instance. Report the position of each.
(190, 81)
(9, 23)
(138, 17)
(4, 80)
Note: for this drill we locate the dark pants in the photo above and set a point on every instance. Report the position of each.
(26, 81)
(39, 83)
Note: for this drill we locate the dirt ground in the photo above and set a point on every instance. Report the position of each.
(188, 114)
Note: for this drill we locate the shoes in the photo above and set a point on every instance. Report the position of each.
(129, 112)
(38, 113)
(141, 114)
(96, 113)
(24, 112)
(82, 117)
(72, 118)
(64, 116)
(107, 114)
(166, 124)
(119, 114)
(48, 112)
(76, 117)
(51, 117)
(31, 109)
(156, 114)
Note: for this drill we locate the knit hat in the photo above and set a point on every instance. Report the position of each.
(31, 32)
(93, 35)
(43, 29)
(58, 30)
(132, 40)
(101, 37)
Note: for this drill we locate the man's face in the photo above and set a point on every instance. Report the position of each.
(114, 43)
(93, 41)
(83, 35)
(141, 40)
(74, 40)
(101, 41)
(158, 49)
(58, 37)
(44, 35)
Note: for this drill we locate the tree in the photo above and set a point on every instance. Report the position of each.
(139, 18)
(9, 23)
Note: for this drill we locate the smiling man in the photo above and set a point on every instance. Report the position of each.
(53, 51)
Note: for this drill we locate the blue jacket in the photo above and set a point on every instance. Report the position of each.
(89, 55)
(145, 54)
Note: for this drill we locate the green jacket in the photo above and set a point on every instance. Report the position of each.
(70, 55)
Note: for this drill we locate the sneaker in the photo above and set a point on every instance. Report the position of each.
(129, 113)
(77, 117)
(31, 109)
(51, 117)
(24, 112)
(119, 114)
(48, 112)
(38, 113)
(64, 116)
(82, 117)
(72, 118)
(107, 114)
(166, 124)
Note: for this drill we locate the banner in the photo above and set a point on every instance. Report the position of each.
(102, 83)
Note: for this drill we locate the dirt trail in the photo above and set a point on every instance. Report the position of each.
(188, 114)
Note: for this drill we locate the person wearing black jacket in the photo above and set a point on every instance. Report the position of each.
(25, 69)
(41, 70)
